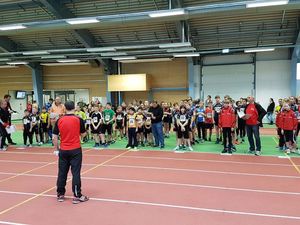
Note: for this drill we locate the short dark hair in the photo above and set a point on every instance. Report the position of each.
(51, 99)
(70, 105)
(26, 110)
(7, 96)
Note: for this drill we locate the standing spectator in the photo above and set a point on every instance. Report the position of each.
(10, 110)
(208, 100)
(57, 110)
(217, 109)
(29, 107)
(81, 104)
(157, 128)
(254, 115)
(270, 111)
(70, 128)
(4, 123)
(49, 104)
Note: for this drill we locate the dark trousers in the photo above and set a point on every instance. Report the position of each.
(4, 136)
(241, 131)
(66, 160)
(253, 130)
(281, 137)
(201, 130)
(227, 137)
(27, 135)
(132, 141)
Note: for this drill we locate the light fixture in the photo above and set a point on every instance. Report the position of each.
(186, 55)
(250, 50)
(180, 50)
(12, 27)
(53, 57)
(82, 21)
(68, 60)
(147, 60)
(110, 54)
(4, 60)
(17, 63)
(175, 45)
(7, 66)
(36, 53)
(225, 50)
(256, 4)
(102, 49)
(164, 13)
(65, 64)
(124, 58)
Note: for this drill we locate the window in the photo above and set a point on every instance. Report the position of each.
(298, 71)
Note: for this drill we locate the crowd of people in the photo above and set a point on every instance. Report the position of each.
(145, 123)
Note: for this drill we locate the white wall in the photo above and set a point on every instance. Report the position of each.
(273, 80)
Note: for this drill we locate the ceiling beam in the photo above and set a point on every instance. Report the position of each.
(182, 26)
(7, 45)
(61, 12)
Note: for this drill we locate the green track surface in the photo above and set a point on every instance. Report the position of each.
(268, 145)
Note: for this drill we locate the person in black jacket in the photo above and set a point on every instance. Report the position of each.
(157, 113)
(270, 111)
(254, 116)
(4, 123)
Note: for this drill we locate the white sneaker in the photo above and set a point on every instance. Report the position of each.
(41, 143)
(128, 148)
(288, 151)
(176, 148)
(29, 146)
(257, 153)
(191, 149)
(3, 149)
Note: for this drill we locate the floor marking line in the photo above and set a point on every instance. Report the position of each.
(202, 171)
(44, 192)
(180, 207)
(11, 223)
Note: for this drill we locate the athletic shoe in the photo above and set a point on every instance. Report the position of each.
(143, 145)
(217, 141)
(233, 148)
(281, 148)
(12, 143)
(197, 141)
(60, 198)
(105, 145)
(162, 147)
(190, 148)
(176, 148)
(135, 148)
(30, 146)
(83, 198)
(229, 152)
(251, 151)
(3, 149)
(224, 151)
(257, 153)
(288, 151)
(209, 139)
(128, 147)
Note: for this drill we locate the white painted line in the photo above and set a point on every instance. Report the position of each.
(202, 171)
(176, 152)
(167, 183)
(182, 207)
(284, 157)
(11, 223)
(21, 161)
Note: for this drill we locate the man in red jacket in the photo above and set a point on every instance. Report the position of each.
(254, 115)
(227, 120)
(289, 124)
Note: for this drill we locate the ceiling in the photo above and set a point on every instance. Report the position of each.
(208, 31)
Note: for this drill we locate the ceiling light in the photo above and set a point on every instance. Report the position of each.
(12, 27)
(175, 45)
(147, 60)
(68, 60)
(180, 50)
(82, 21)
(6, 66)
(17, 63)
(102, 49)
(53, 57)
(36, 53)
(65, 64)
(186, 55)
(256, 4)
(225, 50)
(109, 54)
(124, 58)
(3, 60)
(164, 13)
(259, 50)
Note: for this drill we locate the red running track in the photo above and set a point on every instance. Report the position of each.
(147, 187)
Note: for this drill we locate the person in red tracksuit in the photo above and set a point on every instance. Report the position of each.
(227, 121)
(289, 125)
(279, 130)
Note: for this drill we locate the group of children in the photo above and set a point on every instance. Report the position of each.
(191, 121)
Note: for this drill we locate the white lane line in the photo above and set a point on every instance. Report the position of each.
(168, 183)
(11, 223)
(183, 207)
(201, 171)
(166, 158)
